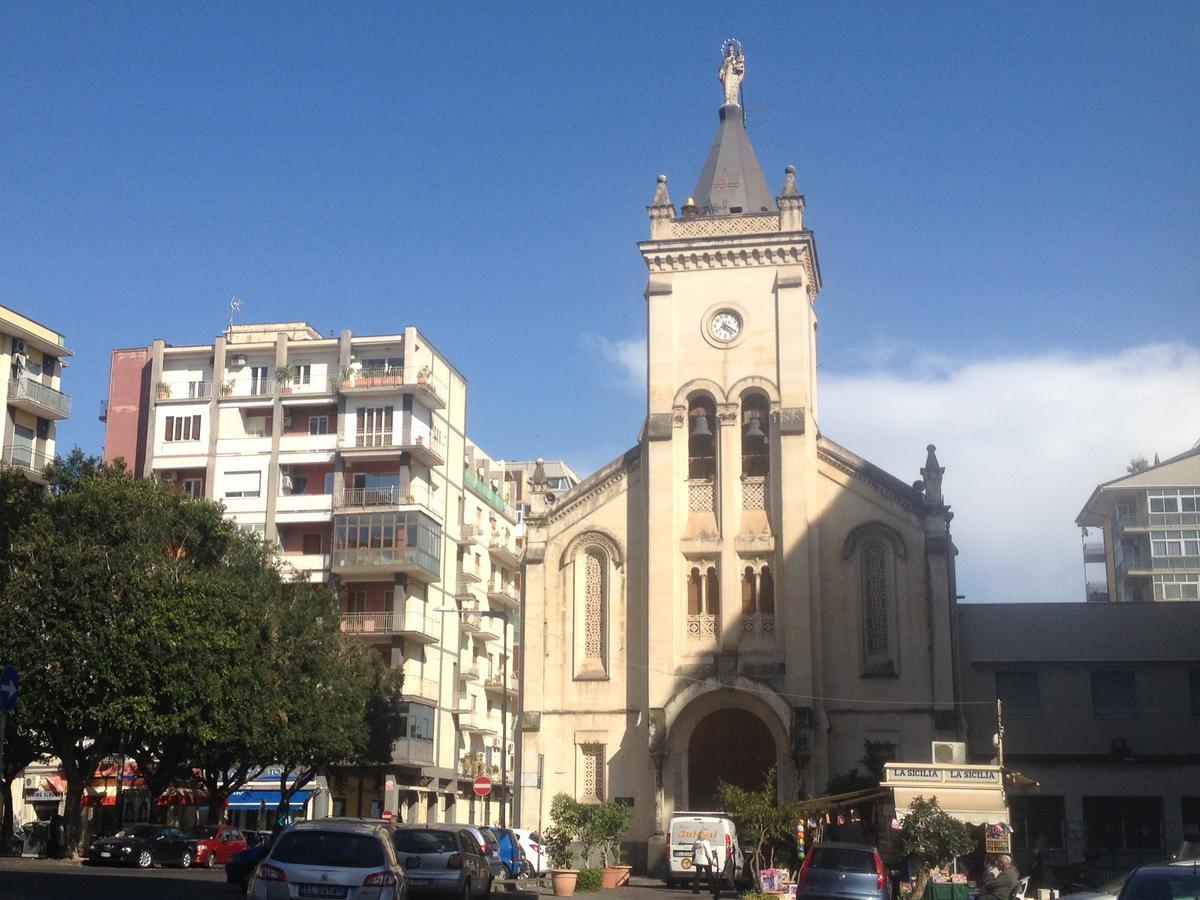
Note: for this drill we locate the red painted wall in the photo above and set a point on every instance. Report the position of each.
(128, 408)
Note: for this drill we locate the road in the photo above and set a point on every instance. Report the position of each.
(44, 879)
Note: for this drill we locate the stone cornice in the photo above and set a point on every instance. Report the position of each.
(734, 252)
(887, 485)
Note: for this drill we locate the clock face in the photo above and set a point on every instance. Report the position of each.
(725, 325)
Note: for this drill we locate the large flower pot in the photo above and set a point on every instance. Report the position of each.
(615, 876)
(564, 881)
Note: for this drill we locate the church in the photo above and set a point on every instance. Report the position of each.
(737, 592)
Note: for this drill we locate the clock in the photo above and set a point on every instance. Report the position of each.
(725, 325)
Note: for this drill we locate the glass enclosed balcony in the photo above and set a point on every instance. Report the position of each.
(370, 544)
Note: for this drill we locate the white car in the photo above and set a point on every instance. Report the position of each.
(531, 846)
(346, 860)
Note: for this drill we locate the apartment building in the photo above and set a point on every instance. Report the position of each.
(1141, 534)
(32, 358)
(351, 454)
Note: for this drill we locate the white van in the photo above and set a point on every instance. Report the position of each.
(689, 827)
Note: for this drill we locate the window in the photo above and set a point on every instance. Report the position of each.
(875, 554)
(242, 484)
(356, 601)
(1175, 543)
(259, 384)
(318, 424)
(875, 600)
(1020, 693)
(1114, 694)
(193, 487)
(258, 425)
(704, 602)
(592, 764)
(1123, 823)
(1177, 586)
(702, 441)
(304, 374)
(1037, 822)
(182, 428)
(595, 602)
(374, 428)
(311, 543)
(755, 437)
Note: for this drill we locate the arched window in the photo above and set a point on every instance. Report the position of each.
(756, 457)
(595, 605)
(695, 593)
(703, 602)
(591, 565)
(766, 591)
(702, 440)
(877, 556)
(712, 592)
(749, 592)
(758, 602)
(876, 637)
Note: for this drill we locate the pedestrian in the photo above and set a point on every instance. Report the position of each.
(703, 857)
(56, 845)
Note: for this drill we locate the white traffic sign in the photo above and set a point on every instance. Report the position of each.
(10, 686)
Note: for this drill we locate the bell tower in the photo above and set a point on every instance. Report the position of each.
(731, 418)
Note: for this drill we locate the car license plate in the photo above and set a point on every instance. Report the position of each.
(420, 882)
(105, 854)
(322, 890)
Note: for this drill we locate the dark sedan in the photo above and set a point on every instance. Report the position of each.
(143, 846)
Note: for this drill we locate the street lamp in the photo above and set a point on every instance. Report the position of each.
(504, 618)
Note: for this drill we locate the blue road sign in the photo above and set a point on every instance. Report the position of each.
(10, 686)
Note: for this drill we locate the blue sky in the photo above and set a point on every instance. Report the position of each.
(1004, 196)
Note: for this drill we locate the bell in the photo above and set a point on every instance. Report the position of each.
(700, 429)
(754, 430)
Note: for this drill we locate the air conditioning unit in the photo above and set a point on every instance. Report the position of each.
(237, 360)
(168, 475)
(31, 782)
(287, 419)
(952, 752)
(18, 346)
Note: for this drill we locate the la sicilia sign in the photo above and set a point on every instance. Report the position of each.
(935, 774)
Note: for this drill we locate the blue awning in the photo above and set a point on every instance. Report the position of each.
(251, 799)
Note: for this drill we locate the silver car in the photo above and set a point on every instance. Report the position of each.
(442, 859)
(843, 871)
(337, 860)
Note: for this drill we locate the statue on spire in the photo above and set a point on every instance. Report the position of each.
(732, 71)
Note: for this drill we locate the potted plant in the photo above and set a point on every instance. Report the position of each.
(423, 375)
(346, 376)
(566, 816)
(609, 822)
(164, 390)
(285, 375)
(226, 387)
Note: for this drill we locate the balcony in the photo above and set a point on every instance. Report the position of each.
(37, 398)
(462, 702)
(385, 624)
(502, 553)
(504, 597)
(415, 380)
(496, 686)
(408, 751)
(468, 535)
(184, 391)
(1147, 521)
(475, 722)
(488, 494)
(419, 689)
(1097, 592)
(464, 592)
(468, 669)
(389, 497)
(425, 445)
(485, 631)
(256, 390)
(31, 462)
(1093, 552)
(371, 544)
(371, 562)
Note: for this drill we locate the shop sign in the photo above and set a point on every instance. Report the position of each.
(42, 796)
(999, 844)
(943, 774)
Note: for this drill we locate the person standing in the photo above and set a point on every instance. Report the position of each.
(702, 858)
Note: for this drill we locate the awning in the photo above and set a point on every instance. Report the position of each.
(972, 794)
(182, 796)
(252, 799)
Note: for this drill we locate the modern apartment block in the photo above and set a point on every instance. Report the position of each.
(31, 363)
(1142, 534)
(351, 454)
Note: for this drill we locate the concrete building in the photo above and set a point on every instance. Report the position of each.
(351, 454)
(32, 358)
(737, 591)
(1142, 534)
(1102, 709)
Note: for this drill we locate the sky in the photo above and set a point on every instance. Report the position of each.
(1005, 200)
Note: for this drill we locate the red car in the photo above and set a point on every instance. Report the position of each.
(216, 844)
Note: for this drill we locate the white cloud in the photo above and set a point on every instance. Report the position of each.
(1024, 440)
(627, 355)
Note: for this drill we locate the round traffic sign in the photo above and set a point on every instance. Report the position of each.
(482, 786)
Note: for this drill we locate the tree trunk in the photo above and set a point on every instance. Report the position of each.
(6, 828)
(74, 809)
(920, 884)
(216, 805)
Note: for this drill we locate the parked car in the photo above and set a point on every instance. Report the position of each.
(216, 844)
(843, 871)
(489, 846)
(688, 827)
(240, 868)
(143, 846)
(510, 853)
(254, 838)
(1163, 882)
(531, 846)
(346, 860)
(442, 859)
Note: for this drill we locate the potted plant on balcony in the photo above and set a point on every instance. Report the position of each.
(226, 387)
(423, 375)
(566, 817)
(164, 390)
(609, 822)
(285, 375)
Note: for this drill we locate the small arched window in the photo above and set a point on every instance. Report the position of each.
(702, 438)
(766, 591)
(876, 614)
(756, 444)
(703, 602)
(749, 592)
(712, 592)
(595, 605)
(877, 558)
(695, 593)
(591, 565)
(758, 602)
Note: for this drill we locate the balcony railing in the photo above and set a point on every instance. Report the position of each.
(56, 403)
(487, 493)
(387, 623)
(1097, 591)
(185, 390)
(20, 456)
(468, 534)
(427, 444)
(400, 559)
(1159, 520)
(422, 688)
(412, 750)
(702, 627)
(504, 595)
(419, 378)
(1093, 551)
(416, 494)
(255, 387)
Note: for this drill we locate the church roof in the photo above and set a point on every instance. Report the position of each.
(731, 180)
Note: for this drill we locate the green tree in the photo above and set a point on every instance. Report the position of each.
(1137, 465)
(567, 817)
(930, 837)
(763, 823)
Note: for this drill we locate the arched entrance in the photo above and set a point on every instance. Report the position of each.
(731, 745)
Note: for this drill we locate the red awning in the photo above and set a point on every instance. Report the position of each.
(182, 796)
(99, 800)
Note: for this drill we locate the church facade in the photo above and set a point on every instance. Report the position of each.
(737, 592)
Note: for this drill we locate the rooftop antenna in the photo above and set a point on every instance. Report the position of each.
(235, 304)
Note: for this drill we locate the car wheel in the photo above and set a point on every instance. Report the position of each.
(185, 861)
(211, 860)
(145, 860)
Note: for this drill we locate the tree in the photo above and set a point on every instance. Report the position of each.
(875, 754)
(567, 818)
(930, 837)
(762, 823)
(1137, 465)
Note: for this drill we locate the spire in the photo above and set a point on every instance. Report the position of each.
(731, 181)
(661, 209)
(932, 473)
(791, 203)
